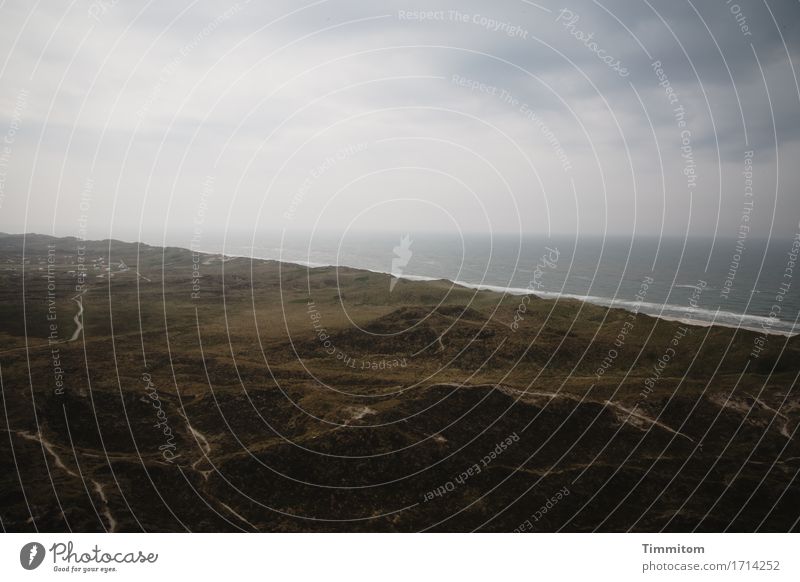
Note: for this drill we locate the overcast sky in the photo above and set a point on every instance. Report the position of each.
(135, 120)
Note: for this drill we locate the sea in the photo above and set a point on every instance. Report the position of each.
(745, 283)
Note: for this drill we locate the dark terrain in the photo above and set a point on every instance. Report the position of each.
(297, 399)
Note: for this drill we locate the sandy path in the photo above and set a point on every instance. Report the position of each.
(101, 493)
(78, 319)
(50, 448)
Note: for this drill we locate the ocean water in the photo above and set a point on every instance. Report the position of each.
(748, 284)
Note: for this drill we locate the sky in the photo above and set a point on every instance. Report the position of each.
(174, 120)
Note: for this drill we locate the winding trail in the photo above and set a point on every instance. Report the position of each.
(237, 515)
(101, 493)
(78, 319)
(633, 414)
(784, 429)
(205, 447)
(741, 407)
(59, 463)
(50, 448)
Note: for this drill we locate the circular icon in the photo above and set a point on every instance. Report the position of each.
(31, 555)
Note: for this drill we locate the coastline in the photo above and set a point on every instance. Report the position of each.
(665, 311)
(646, 308)
(404, 393)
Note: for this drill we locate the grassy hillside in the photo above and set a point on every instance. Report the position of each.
(213, 394)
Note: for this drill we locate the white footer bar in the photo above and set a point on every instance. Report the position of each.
(396, 557)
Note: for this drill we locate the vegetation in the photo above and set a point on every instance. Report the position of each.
(263, 396)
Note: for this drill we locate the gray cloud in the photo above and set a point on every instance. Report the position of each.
(147, 102)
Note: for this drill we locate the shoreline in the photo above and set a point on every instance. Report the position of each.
(745, 322)
(613, 303)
